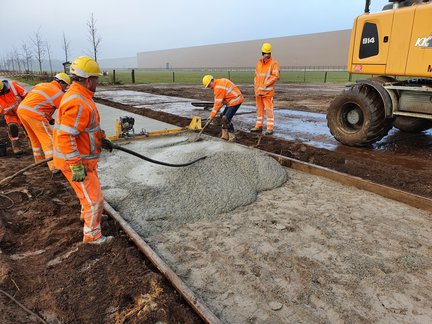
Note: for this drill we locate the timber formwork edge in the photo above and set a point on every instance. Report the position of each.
(410, 199)
(193, 300)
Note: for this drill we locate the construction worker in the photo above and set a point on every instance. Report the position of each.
(78, 141)
(11, 94)
(35, 112)
(266, 74)
(225, 93)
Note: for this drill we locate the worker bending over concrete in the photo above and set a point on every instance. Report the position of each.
(35, 113)
(225, 93)
(78, 141)
(267, 72)
(11, 94)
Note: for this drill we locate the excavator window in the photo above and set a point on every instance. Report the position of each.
(370, 42)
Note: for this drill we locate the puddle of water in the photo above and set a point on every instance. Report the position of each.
(408, 150)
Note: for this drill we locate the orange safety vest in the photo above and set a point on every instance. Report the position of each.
(266, 74)
(77, 135)
(10, 100)
(42, 100)
(225, 93)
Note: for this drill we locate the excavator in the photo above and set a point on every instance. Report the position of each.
(394, 47)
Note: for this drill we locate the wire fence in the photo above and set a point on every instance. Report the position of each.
(241, 76)
(297, 74)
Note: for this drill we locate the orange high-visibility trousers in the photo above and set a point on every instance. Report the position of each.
(90, 196)
(264, 104)
(10, 120)
(40, 134)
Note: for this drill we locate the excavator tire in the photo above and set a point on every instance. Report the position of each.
(357, 116)
(412, 125)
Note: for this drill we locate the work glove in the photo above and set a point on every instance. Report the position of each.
(78, 172)
(107, 144)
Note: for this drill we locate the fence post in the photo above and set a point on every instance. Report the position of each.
(325, 77)
(133, 76)
(304, 75)
(229, 75)
(173, 77)
(114, 76)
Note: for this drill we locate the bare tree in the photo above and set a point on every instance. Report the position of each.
(66, 47)
(39, 48)
(27, 57)
(17, 58)
(48, 50)
(11, 61)
(3, 63)
(94, 38)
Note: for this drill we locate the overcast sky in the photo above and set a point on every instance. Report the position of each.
(131, 26)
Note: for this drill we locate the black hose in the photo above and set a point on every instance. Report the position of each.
(120, 148)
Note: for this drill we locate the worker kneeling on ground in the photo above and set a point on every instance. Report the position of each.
(225, 93)
(267, 72)
(11, 94)
(35, 112)
(78, 141)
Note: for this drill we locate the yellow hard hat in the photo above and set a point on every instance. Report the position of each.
(85, 67)
(206, 80)
(1, 85)
(266, 48)
(63, 77)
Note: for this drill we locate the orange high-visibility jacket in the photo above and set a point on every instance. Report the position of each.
(225, 93)
(10, 100)
(266, 74)
(77, 135)
(42, 100)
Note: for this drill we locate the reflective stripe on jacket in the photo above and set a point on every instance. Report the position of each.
(9, 101)
(266, 74)
(225, 93)
(42, 100)
(77, 135)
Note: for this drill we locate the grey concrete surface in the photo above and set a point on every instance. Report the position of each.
(157, 198)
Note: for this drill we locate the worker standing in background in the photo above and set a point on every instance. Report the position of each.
(35, 112)
(267, 72)
(11, 94)
(225, 93)
(78, 141)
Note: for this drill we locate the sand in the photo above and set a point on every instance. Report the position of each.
(308, 251)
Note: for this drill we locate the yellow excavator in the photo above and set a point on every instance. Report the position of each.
(393, 43)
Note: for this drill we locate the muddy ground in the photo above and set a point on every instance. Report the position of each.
(44, 266)
(305, 97)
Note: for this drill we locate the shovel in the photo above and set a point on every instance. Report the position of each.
(196, 139)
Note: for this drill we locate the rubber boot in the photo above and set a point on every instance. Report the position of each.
(256, 129)
(225, 134)
(16, 147)
(231, 138)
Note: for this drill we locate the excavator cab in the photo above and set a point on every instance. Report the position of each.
(396, 42)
